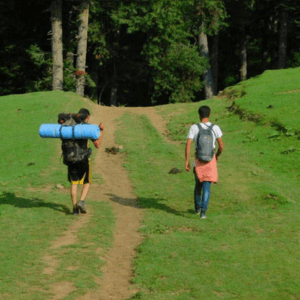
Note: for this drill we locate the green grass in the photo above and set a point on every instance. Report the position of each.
(248, 247)
(278, 89)
(34, 212)
(25, 154)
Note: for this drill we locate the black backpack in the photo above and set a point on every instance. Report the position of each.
(73, 151)
(205, 143)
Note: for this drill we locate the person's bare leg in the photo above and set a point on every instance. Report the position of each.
(81, 204)
(74, 194)
(84, 191)
(74, 198)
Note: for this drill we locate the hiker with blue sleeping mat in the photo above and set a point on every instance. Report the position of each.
(76, 155)
(205, 135)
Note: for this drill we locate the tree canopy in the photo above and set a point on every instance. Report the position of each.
(147, 52)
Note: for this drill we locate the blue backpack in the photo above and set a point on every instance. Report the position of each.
(205, 143)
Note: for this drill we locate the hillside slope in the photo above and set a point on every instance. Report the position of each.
(246, 249)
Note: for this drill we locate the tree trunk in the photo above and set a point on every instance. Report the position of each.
(82, 47)
(214, 58)
(203, 45)
(266, 30)
(114, 95)
(57, 45)
(274, 45)
(282, 39)
(114, 88)
(243, 53)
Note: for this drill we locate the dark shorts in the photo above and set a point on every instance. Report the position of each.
(80, 172)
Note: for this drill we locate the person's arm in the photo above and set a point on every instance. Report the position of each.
(220, 148)
(97, 143)
(187, 154)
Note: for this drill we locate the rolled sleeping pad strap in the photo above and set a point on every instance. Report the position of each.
(79, 131)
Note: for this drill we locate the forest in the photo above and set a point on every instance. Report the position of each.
(143, 52)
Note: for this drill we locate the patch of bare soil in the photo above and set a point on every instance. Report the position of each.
(288, 92)
(117, 190)
(69, 237)
(62, 290)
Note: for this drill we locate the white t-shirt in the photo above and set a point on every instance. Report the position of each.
(194, 130)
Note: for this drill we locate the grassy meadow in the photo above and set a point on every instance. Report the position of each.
(33, 212)
(247, 248)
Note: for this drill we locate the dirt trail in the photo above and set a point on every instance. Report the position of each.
(118, 191)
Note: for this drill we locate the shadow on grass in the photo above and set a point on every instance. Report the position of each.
(20, 202)
(148, 203)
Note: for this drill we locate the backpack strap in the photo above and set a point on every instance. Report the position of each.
(73, 132)
(60, 132)
(211, 128)
(199, 128)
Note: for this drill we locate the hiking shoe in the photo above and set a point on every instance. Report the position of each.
(202, 216)
(75, 211)
(80, 206)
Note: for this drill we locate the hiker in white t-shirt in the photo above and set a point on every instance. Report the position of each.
(205, 171)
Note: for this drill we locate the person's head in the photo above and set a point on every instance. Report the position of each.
(84, 114)
(204, 112)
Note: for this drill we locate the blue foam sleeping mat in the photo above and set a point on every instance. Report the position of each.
(79, 131)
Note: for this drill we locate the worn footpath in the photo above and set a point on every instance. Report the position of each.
(117, 190)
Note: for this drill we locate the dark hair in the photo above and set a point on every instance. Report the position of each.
(84, 113)
(204, 111)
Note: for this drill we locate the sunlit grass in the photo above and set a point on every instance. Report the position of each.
(247, 248)
(34, 212)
